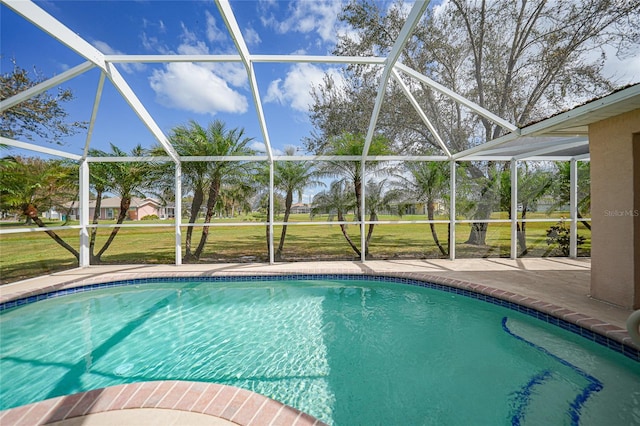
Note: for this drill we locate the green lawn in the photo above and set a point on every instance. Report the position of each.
(24, 255)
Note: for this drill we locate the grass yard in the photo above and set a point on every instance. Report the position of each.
(29, 254)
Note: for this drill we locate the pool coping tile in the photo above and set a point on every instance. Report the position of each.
(234, 403)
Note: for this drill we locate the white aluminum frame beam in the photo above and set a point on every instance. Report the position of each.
(583, 157)
(513, 168)
(94, 114)
(573, 209)
(41, 149)
(462, 155)
(46, 85)
(232, 25)
(418, 109)
(130, 97)
(177, 213)
(458, 98)
(41, 19)
(396, 50)
(363, 60)
(452, 209)
(83, 196)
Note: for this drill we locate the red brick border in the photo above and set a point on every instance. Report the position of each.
(236, 405)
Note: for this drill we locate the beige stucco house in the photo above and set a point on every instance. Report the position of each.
(139, 208)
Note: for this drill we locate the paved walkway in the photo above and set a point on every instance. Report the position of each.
(561, 281)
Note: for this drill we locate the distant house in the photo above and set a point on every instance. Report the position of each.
(300, 208)
(138, 209)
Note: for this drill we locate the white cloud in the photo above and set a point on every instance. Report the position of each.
(319, 16)
(108, 50)
(295, 89)
(624, 70)
(213, 32)
(251, 37)
(195, 88)
(233, 73)
(258, 146)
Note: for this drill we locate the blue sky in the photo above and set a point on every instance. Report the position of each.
(178, 92)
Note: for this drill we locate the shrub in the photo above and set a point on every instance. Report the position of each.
(150, 217)
(561, 235)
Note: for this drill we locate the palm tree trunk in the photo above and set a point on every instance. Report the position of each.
(94, 231)
(68, 211)
(214, 190)
(586, 224)
(287, 211)
(358, 191)
(343, 228)
(125, 203)
(434, 233)
(522, 233)
(198, 196)
(268, 234)
(372, 218)
(31, 212)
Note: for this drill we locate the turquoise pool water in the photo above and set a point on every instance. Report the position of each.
(353, 352)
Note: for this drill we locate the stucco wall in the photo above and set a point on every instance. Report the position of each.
(615, 276)
(146, 210)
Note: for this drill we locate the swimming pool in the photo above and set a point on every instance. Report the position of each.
(345, 349)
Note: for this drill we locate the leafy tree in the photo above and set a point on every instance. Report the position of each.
(520, 60)
(562, 185)
(427, 182)
(30, 185)
(291, 177)
(41, 116)
(337, 200)
(534, 182)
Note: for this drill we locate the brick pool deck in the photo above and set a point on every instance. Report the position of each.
(559, 287)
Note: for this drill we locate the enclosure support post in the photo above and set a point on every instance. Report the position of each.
(84, 260)
(177, 213)
(452, 210)
(363, 237)
(270, 218)
(573, 209)
(514, 208)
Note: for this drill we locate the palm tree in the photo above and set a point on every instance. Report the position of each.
(189, 140)
(127, 179)
(101, 181)
(290, 177)
(209, 180)
(427, 182)
(235, 197)
(30, 184)
(378, 200)
(337, 200)
(353, 144)
(208, 177)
